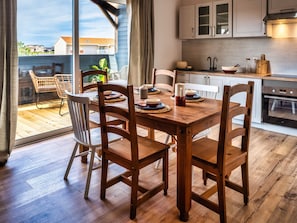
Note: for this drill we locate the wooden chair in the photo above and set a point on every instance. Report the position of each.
(88, 82)
(205, 91)
(89, 78)
(218, 158)
(164, 79)
(63, 84)
(83, 135)
(133, 152)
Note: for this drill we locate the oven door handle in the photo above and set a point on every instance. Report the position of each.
(280, 98)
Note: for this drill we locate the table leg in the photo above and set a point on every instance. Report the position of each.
(184, 172)
(84, 159)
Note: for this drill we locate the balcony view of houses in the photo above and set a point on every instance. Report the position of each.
(50, 45)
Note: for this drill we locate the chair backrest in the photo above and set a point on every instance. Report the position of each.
(63, 83)
(33, 78)
(58, 68)
(124, 72)
(125, 112)
(205, 91)
(227, 132)
(44, 70)
(79, 113)
(164, 79)
(89, 78)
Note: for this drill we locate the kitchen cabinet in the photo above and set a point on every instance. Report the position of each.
(240, 98)
(182, 78)
(248, 18)
(187, 22)
(209, 80)
(214, 19)
(280, 6)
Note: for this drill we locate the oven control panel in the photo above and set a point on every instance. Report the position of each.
(291, 92)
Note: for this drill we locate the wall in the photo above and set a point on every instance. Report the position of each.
(282, 53)
(167, 44)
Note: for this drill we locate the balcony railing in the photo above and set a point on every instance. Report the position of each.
(26, 63)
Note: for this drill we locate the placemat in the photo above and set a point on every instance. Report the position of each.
(122, 98)
(167, 108)
(194, 100)
(157, 91)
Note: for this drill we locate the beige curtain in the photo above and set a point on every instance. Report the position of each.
(141, 54)
(8, 77)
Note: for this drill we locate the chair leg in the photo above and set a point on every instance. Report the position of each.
(134, 191)
(61, 105)
(37, 100)
(103, 176)
(90, 172)
(166, 142)
(245, 183)
(70, 161)
(221, 198)
(165, 172)
(293, 108)
(204, 177)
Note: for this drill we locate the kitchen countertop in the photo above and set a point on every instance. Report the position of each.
(244, 75)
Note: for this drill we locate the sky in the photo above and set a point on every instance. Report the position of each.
(42, 22)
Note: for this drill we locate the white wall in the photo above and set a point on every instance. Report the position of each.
(167, 44)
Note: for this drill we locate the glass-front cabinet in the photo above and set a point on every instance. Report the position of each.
(214, 19)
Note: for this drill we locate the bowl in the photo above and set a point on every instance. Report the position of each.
(148, 86)
(107, 92)
(190, 93)
(229, 69)
(152, 102)
(181, 64)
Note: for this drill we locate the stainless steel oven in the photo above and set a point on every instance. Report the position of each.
(279, 102)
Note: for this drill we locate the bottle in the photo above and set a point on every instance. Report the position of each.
(143, 92)
(248, 65)
(254, 65)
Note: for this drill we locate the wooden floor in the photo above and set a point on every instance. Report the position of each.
(33, 121)
(32, 188)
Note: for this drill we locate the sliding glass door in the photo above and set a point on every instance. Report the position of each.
(46, 37)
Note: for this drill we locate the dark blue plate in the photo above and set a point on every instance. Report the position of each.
(147, 107)
(194, 97)
(152, 89)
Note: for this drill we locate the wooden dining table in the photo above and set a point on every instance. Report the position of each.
(183, 122)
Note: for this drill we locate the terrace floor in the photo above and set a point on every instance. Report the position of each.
(33, 121)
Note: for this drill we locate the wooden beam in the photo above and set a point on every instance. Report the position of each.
(106, 9)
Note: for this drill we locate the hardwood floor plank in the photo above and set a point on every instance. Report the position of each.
(32, 188)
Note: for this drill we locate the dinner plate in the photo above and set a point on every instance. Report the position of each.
(194, 97)
(112, 96)
(147, 107)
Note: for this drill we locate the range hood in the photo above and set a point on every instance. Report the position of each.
(281, 18)
(281, 25)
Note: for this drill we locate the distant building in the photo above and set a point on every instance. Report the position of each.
(86, 46)
(36, 48)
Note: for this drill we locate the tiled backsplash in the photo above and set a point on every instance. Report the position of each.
(282, 53)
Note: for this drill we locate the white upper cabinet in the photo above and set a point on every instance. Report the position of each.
(214, 19)
(248, 18)
(187, 22)
(279, 6)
